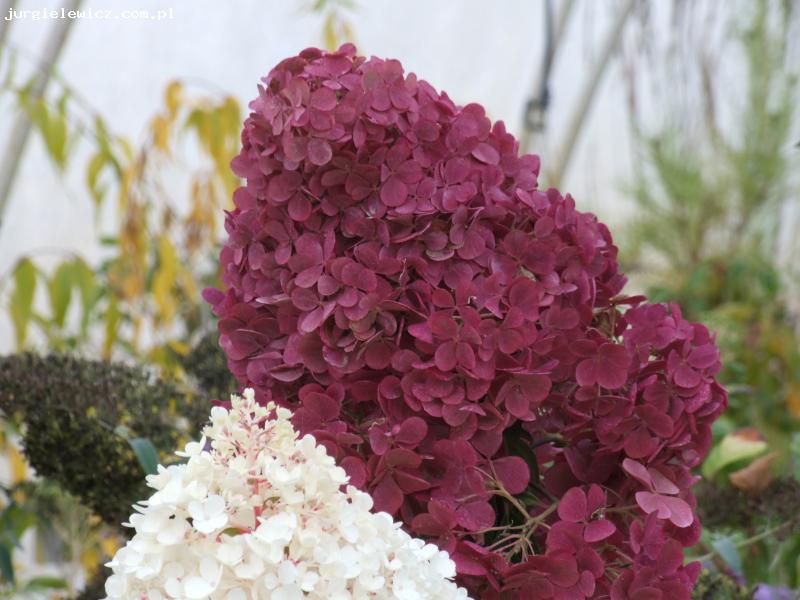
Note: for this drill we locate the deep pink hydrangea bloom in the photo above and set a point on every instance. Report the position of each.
(456, 337)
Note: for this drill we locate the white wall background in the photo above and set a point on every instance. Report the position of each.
(487, 52)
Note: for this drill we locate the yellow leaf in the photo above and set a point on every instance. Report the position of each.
(19, 468)
(160, 128)
(96, 165)
(755, 476)
(126, 146)
(113, 317)
(164, 279)
(90, 559)
(793, 400)
(347, 31)
(131, 286)
(137, 331)
(173, 96)
(329, 32)
(179, 347)
(109, 545)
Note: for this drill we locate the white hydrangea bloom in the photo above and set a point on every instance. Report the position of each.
(256, 513)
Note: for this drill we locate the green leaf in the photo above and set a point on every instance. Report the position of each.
(113, 317)
(44, 583)
(14, 522)
(794, 449)
(104, 141)
(146, 453)
(52, 126)
(88, 289)
(728, 551)
(797, 570)
(59, 287)
(93, 170)
(21, 307)
(6, 564)
(732, 449)
(56, 138)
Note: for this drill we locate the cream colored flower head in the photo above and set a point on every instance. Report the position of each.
(256, 513)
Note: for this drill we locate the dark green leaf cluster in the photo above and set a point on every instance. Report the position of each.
(778, 503)
(78, 416)
(713, 585)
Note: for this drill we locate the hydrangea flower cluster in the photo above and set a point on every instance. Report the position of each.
(458, 338)
(256, 512)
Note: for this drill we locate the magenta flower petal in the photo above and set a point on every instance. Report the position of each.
(213, 296)
(308, 277)
(311, 321)
(412, 431)
(475, 516)
(596, 531)
(640, 444)
(486, 153)
(394, 192)
(445, 357)
(513, 473)
(394, 275)
(572, 506)
(638, 471)
(319, 151)
(661, 484)
(681, 513)
(671, 508)
(388, 496)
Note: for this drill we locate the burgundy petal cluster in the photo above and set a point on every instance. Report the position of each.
(458, 338)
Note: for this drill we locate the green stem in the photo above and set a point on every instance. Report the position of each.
(751, 540)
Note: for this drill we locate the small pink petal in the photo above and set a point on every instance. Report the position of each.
(513, 473)
(311, 321)
(388, 496)
(486, 153)
(680, 512)
(638, 471)
(319, 151)
(572, 506)
(598, 530)
(661, 484)
(445, 357)
(394, 192)
(308, 277)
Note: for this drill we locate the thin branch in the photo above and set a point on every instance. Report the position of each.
(589, 92)
(7, 6)
(21, 129)
(751, 540)
(540, 92)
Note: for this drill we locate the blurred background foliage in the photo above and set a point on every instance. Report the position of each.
(133, 362)
(710, 201)
(143, 301)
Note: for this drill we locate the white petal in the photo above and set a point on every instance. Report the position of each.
(214, 505)
(196, 587)
(236, 594)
